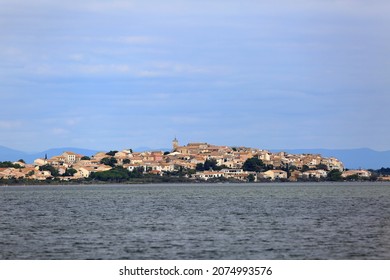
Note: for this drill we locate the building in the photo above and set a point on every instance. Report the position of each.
(359, 173)
(274, 174)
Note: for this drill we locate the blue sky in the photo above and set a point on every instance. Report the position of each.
(267, 74)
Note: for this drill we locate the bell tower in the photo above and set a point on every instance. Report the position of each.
(175, 144)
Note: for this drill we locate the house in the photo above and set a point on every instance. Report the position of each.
(274, 174)
(295, 175)
(41, 175)
(205, 175)
(132, 166)
(71, 157)
(40, 161)
(384, 178)
(318, 174)
(84, 171)
(360, 173)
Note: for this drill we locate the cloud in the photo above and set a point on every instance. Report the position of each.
(137, 39)
(186, 120)
(107, 69)
(59, 131)
(78, 57)
(103, 6)
(141, 70)
(174, 69)
(10, 124)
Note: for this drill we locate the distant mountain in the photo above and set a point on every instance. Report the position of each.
(58, 151)
(143, 149)
(352, 158)
(7, 154)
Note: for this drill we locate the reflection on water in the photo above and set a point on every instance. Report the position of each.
(221, 221)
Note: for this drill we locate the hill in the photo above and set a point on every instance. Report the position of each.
(7, 154)
(352, 158)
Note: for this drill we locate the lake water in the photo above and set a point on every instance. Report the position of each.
(200, 221)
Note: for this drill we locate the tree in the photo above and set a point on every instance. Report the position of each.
(251, 178)
(21, 160)
(85, 158)
(111, 153)
(383, 171)
(334, 175)
(7, 164)
(138, 172)
(117, 174)
(199, 167)
(70, 172)
(305, 168)
(322, 166)
(293, 168)
(47, 167)
(354, 177)
(111, 161)
(126, 161)
(210, 164)
(253, 164)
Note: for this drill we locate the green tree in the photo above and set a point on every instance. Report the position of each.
(117, 174)
(70, 172)
(210, 164)
(305, 168)
(253, 164)
(354, 177)
(191, 172)
(383, 171)
(334, 175)
(47, 167)
(251, 178)
(111, 161)
(292, 167)
(111, 153)
(126, 161)
(322, 166)
(85, 158)
(7, 164)
(199, 167)
(138, 172)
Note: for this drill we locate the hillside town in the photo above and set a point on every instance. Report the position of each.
(194, 161)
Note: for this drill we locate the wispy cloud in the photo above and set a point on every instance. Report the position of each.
(10, 124)
(58, 131)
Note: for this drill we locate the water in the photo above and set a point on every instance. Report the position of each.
(214, 221)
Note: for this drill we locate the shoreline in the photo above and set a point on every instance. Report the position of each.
(95, 184)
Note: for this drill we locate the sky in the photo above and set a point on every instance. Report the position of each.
(124, 74)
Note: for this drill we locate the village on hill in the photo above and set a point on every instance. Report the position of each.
(194, 161)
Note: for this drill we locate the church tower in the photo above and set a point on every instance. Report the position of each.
(175, 144)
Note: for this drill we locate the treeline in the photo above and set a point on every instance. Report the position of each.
(119, 174)
(382, 172)
(8, 164)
